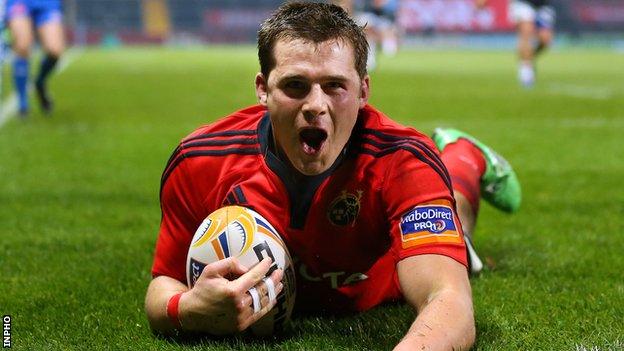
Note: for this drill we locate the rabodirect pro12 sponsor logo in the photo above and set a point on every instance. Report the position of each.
(428, 223)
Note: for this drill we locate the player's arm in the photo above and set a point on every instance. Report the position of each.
(215, 305)
(481, 3)
(160, 290)
(437, 287)
(218, 303)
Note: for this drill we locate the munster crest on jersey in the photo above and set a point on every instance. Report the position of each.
(345, 208)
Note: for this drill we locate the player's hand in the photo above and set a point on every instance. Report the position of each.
(220, 306)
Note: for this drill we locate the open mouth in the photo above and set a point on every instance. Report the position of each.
(312, 140)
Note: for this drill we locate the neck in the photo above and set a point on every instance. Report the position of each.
(281, 155)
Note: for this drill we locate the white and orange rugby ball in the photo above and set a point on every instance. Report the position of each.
(235, 231)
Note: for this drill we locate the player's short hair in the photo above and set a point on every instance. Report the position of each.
(314, 22)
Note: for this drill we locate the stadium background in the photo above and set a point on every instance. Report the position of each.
(79, 190)
(235, 21)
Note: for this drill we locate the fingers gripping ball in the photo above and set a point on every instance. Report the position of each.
(235, 231)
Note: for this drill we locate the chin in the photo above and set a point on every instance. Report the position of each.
(312, 169)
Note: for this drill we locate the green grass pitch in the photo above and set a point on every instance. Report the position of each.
(79, 206)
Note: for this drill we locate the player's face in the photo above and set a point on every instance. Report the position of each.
(313, 95)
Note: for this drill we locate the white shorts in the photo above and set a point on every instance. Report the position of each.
(543, 16)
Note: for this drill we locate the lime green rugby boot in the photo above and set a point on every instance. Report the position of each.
(499, 184)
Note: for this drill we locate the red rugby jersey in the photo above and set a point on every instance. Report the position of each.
(388, 196)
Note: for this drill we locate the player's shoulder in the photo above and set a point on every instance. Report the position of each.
(379, 133)
(231, 137)
(241, 122)
(397, 147)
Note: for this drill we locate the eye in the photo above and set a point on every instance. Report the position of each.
(334, 85)
(295, 85)
(295, 88)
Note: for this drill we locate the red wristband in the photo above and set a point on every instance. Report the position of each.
(173, 310)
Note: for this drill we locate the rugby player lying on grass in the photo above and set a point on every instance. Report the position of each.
(365, 204)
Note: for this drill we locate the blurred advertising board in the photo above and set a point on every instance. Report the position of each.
(599, 13)
(453, 16)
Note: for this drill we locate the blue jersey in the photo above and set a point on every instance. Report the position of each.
(40, 11)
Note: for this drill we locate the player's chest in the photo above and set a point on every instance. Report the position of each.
(335, 218)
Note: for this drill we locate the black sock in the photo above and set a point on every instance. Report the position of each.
(47, 65)
(538, 48)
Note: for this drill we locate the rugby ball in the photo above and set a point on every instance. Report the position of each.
(243, 233)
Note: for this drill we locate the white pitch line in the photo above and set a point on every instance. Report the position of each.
(582, 91)
(9, 109)
(69, 58)
(9, 105)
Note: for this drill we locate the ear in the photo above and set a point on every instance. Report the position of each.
(364, 91)
(261, 89)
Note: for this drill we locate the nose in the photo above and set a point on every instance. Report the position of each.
(315, 103)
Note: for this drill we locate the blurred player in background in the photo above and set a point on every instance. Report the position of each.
(379, 20)
(23, 18)
(347, 5)
(2, 47)
(535, 21)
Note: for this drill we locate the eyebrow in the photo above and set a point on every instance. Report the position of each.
(301, 77)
